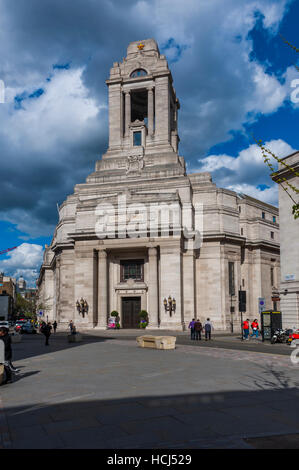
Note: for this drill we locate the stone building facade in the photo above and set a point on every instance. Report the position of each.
(141, 230)
(7, 286)
(289, 241)
(7, 296)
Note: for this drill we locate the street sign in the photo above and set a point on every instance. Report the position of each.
(289, 277)
(262, 304)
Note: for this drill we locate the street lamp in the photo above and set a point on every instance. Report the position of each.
(82, 306)
(169, 305)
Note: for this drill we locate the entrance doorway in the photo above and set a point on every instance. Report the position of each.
(131, 307)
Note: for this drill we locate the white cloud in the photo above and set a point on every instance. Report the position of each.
(269, 94)
(273, 13)
(268, 195)
(26, 256)
(24, 261)
(49, 144)
(246, 172)
(250, 157)
(60, 116)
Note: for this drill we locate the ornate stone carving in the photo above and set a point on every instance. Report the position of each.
(135, 163)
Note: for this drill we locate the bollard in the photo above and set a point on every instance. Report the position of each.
(77, 338)
(16, 338)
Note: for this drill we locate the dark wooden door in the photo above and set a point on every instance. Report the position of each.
(131, 307)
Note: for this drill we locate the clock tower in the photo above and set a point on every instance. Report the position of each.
(143, 112)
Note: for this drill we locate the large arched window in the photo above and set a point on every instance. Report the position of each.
(138, 73)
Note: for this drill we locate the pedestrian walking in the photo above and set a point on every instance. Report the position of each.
(46, 330)
(55, 326)
(246, 329)
(208, 327)
(255, 328)
(198, 329)
(191, 327)
(71, 326)
(9, 368)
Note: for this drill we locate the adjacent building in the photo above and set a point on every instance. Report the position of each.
(7, 297)
(21, 286)
(289, 240)
(143, 234)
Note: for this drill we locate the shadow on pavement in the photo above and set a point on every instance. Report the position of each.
(220, 340)
(204, 420)
(34, 345)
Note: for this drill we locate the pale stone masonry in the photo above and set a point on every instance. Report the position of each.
(215, 241)
(289, 241)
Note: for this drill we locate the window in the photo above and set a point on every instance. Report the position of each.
(131, 269)
(272, 235)
(231, 277)
(138, 73)
(263, 215)
(139, 105)
(137, 140)
(274, 219)
(242, 232)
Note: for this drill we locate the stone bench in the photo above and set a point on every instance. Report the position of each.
(156, 342)
(77, 338)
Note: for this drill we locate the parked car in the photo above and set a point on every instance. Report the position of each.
(19, 324)
(28, 328)
(5, 324)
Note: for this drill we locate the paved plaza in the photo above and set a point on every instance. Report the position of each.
(107, 393)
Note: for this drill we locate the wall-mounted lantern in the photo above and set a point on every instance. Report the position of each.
(169, 305)
(82, 307)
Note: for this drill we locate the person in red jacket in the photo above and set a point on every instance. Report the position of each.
(246, 329)
(255, 328)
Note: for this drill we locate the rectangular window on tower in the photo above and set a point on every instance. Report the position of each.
(137, 139)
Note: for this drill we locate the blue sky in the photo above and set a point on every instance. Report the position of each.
(231, 70)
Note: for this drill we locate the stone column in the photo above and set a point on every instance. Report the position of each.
(150, 111)
(162, 111)
(115, 116)
(189, 282)
(102, 289)
(57, 290)
(127, 112)
(84, 284)
(171, 284)
(176, 116)
(153, 288)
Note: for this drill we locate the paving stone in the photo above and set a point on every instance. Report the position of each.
(114, 395)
